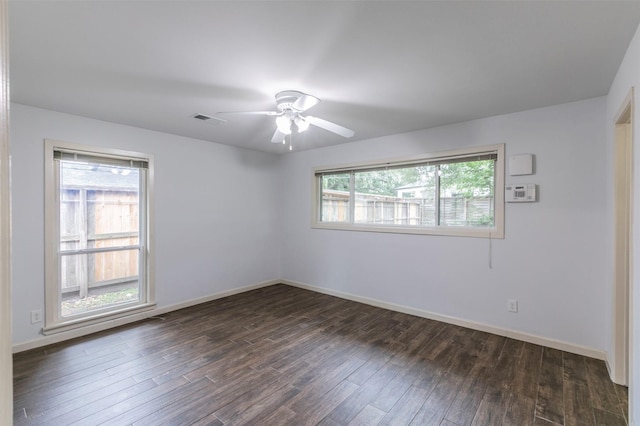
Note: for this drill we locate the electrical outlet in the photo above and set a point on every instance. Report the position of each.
(36, 316)
(512, 305)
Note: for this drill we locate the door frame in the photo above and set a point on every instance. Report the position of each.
(6, 357)
(622, 244)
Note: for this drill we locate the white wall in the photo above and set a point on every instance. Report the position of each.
(555, 258)
(215, 210)
(628, 76)
(551, 258)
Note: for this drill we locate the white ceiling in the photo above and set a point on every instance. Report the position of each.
(380, 67)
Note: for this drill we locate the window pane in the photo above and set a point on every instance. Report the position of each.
(401, 196)
(69, 209)
(466, 194)
(335, 202)
(98, 280)
(447, 193)
(99, 207)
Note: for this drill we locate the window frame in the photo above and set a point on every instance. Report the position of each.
(54, 322)
(497, 231)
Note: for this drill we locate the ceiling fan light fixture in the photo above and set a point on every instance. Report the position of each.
(301, 124)
(290, 105)
(284, 124)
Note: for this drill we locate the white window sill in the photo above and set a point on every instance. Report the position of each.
(76, 323)
(443, 230)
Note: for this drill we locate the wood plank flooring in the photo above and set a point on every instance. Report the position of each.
(285, 356)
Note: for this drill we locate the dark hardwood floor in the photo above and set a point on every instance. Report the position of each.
(282, 355)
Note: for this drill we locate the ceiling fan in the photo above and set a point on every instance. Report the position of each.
(291, 104)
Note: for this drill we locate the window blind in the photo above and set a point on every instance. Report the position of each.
(110, 160)
(405, 164)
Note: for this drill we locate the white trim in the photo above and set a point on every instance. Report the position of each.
(513, 334)
(92, 149)
(53, 320)
(454, 231)
(439, 155)
(619, 365)
(98, 317)
(105, 325)
(497, 231)
(6, 360)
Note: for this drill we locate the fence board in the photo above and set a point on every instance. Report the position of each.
(385, 210)
(103, 218)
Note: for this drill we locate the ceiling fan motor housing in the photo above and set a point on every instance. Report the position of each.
(285, 99)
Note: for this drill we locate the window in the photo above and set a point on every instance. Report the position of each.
(97, 230)
(451, 193)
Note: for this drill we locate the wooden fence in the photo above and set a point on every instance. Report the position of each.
(386, 210)
(95, 218)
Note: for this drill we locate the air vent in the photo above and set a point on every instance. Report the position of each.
(208, 119)
(202, 117)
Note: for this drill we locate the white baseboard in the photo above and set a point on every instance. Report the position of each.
(513, 334)
(83, 331)
(531, 338)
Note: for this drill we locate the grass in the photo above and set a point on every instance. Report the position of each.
(96, 301)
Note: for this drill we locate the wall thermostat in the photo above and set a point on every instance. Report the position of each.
(521, 193)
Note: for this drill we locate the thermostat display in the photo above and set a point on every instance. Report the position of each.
(520, 193)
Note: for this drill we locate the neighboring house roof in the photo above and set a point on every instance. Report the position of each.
(76, 175)
(420, 184)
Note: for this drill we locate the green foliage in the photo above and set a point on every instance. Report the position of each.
(95, 301)
(469, 179)
(465, 179)
(384, 182)
(377, 182)
(484, 220)
(336, 182)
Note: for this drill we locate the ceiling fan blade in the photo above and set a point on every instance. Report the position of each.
(278, 137)
(332, 127)
(250, 112)
(305, 102)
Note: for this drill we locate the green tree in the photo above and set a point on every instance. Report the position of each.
(378, 182)
(468, 179)
(338, 182)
